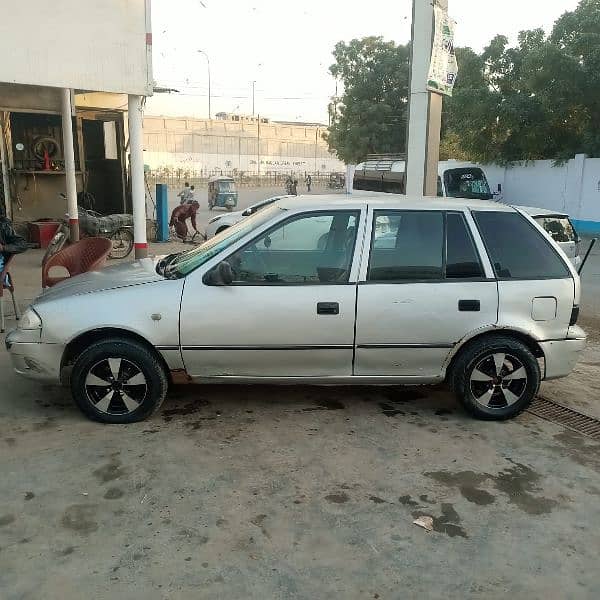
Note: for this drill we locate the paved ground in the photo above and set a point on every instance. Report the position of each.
(266, 492)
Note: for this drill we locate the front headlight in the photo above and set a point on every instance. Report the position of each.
(30, 320)
(214, 219)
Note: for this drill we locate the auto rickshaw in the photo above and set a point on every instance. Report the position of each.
(222, 192)
(337, 181)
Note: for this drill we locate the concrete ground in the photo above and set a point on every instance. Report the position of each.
(294, 492)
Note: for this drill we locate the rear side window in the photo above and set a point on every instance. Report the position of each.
(518, 250)
(559, 228)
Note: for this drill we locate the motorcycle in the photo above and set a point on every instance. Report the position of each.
(118, 228)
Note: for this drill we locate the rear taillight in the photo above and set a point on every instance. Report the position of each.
(574, 316)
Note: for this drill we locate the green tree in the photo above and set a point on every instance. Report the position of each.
(537, 100)
(371, 115)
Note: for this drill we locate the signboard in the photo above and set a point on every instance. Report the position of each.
(443, 66)
(95, 45)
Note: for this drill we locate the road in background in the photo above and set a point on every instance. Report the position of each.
(247, 197)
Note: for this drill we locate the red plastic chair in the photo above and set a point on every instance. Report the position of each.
(88, 254)
(11, 288)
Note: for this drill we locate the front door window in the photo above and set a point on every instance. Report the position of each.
(315, 248)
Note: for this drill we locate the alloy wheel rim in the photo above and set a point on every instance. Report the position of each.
(498, 381)
(116, 386)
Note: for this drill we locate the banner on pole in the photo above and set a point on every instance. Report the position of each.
(443, 67)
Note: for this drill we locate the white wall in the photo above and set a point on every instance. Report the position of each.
(573, 187)
(197, 162)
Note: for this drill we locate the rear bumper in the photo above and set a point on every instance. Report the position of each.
(35, 360)
(561, 356)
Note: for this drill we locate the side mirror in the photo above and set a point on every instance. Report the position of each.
(222, 274)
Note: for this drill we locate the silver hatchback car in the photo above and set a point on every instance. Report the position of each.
(323, 290)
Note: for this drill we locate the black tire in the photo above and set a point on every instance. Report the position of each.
(129, 402)
(513, 381)
(122, 243)
(56, 244)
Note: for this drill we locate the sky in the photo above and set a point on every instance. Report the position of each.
(285, 47)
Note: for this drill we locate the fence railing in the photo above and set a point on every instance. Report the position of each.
(175, 178)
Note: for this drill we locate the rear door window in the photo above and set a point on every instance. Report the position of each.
(517, 249)
(407, 245)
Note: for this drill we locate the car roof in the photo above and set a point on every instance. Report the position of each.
(220, 178)
(379, 200)
(542, 212)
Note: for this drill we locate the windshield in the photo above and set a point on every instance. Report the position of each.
(184, 263)
(467, 182)
(560, 228)
(226, 186)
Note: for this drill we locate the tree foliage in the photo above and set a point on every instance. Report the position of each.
(535, 100)
(372, 114)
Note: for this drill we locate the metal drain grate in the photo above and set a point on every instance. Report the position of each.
(551, 411)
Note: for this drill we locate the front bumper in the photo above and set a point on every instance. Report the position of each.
(561, 356)
(34, 359)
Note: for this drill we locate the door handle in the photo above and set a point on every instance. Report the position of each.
(328, 308)
(469, 305)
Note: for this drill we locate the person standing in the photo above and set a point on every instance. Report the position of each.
(308, 182)
(10, 243)
(294, 186)
(191, 197)
(184, 193)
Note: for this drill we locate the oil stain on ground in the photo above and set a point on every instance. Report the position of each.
(339, 498)
(113, 493)
(390, 411)
(519, 483)
(468, 483)
(326, 404)
(6, 520)
(377, 500)
(80, 518)
(110, 471)
(188, 408)
(407, 501)
(578, 449)
(402, 395)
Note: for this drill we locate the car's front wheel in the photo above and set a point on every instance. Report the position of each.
(118, 381)
(496, 378)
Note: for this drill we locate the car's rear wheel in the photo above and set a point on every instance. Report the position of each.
(118, 381)
(496, 378)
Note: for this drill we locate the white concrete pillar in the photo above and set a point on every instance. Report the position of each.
(69, 156)
(138, 194)
(425, 108)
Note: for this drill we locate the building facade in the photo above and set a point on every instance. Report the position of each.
(236, 144)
